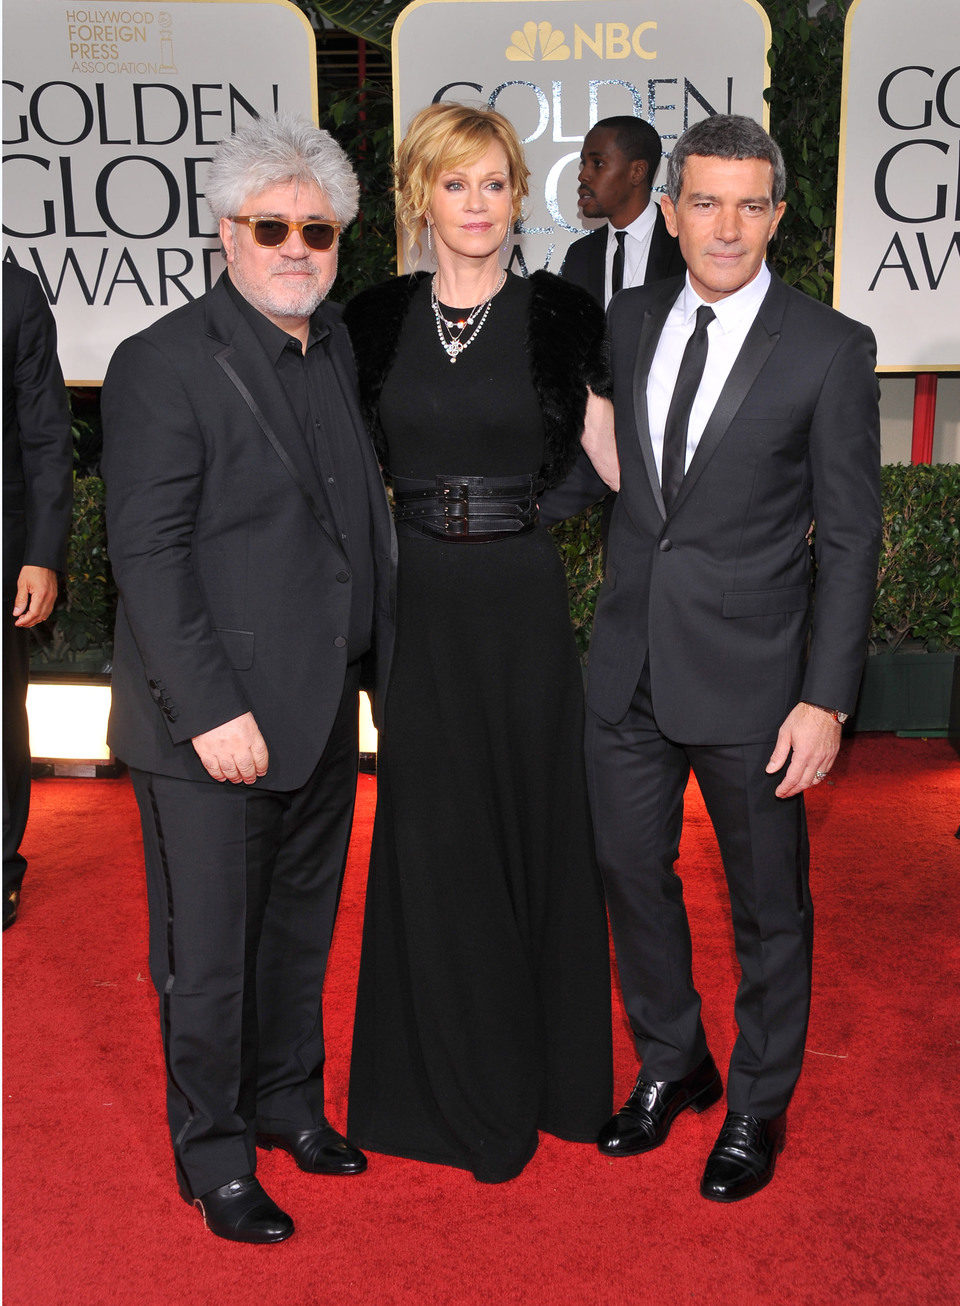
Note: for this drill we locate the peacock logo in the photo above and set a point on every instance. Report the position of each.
(525, 42)
(605, 41)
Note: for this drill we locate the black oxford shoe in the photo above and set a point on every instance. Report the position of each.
(242, 1212)
(318, 1151)
(11, 905)
(644, 1120)
(743, 1157)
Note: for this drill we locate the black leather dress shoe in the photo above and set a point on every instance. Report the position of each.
(318, 1151)
(644, 1120)
(743, 1157)
(11, 905)
(242, 1212)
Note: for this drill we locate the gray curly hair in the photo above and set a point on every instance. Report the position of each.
(276, 149)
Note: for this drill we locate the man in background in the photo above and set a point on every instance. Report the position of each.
(37, 503)
(618, 164)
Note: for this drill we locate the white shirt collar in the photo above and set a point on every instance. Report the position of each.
(639, 228)
(732, 309)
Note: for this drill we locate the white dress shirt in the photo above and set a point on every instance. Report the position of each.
(636, 251)
(735, 315)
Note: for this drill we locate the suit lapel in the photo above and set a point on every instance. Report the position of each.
(658, 257)
(597, 263)
(650, 329)
(344, 370)
(762, 339)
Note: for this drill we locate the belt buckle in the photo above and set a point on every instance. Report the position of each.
(456, 508)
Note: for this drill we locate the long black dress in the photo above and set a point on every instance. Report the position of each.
(483, 1008)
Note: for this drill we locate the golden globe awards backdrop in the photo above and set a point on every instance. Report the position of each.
(553, 67)
(110, 116)
(898, 212)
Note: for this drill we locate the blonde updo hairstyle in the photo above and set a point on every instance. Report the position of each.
(440, 138)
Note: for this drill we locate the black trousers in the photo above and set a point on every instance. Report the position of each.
(637, 779)
(16, 746)
(243, 885)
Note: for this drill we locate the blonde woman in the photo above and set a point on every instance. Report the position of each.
(483, 1009)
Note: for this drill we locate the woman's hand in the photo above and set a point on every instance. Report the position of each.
(598, 439)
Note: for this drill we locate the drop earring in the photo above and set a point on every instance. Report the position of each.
(429, 237)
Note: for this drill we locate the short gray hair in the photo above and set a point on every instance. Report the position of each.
(272, 151)
(726, 136)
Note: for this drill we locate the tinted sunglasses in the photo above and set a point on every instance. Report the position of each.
(272, 232)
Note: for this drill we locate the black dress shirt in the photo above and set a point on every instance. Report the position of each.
(314, 390)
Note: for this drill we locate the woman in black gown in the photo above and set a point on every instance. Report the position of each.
(483, 1009)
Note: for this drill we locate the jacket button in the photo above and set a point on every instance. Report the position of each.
(343, 577)
(339, 642)
(665, 546)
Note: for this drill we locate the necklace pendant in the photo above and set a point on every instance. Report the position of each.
(454, 346)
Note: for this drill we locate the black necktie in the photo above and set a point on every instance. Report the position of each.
(678, 415)
(617, 279)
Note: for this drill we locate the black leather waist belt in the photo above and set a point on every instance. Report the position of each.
(470, 509)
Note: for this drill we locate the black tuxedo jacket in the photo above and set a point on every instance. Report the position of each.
(234, 588)
(585, 261)
(718, 592)
(37, 445)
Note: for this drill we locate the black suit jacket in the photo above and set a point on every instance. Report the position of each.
(37, 445)
(234, 588)
(718, 593)
(585, 261)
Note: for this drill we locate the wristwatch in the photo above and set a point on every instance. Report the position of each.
(835, 712)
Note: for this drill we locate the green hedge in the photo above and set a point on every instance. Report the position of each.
(80, 639)
(578, 540)
(918, 585)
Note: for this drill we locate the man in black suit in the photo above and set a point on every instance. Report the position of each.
(37, 502)
(744, 410)
(618, 164)
(251, 541)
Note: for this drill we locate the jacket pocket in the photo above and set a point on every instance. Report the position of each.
(772, 415)
(764, 603)
(238, 646)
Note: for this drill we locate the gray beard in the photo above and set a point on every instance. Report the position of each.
(300, 305)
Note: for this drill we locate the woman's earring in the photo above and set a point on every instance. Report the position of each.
(429, 238)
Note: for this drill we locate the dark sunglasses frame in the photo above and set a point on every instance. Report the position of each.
(330, 230)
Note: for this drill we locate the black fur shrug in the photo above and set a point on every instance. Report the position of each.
(566, 341)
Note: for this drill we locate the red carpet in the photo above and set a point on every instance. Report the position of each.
(863, 1208)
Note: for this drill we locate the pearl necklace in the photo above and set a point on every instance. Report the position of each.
(454, 344)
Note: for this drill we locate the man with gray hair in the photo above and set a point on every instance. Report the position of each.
(251, 542)
(744, 410)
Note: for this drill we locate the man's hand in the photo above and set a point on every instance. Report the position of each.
(235, 751)
(36, 595)
(814, 737)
